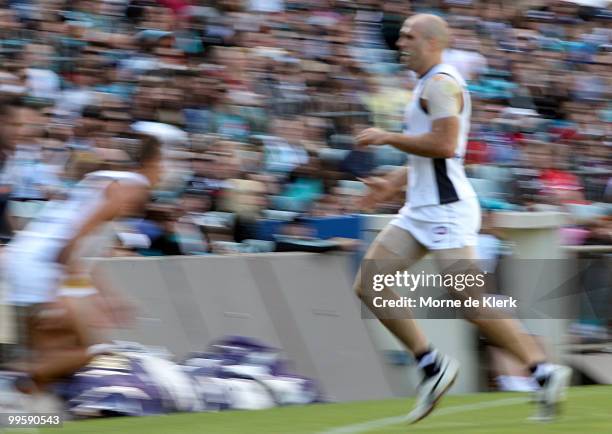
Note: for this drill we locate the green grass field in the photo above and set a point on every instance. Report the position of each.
(587, 410)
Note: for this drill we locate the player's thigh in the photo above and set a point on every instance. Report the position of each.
(466, 253)
(61, 324)
(460, 262)
(394, 249)
(394, 242)
(456, 261)
(49, 328)
(84, 317)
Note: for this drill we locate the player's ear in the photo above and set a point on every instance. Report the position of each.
(436, 44)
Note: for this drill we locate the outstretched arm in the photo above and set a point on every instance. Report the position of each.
(440, 142)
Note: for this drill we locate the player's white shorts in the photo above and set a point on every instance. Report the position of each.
(31, 281)
(450, 226)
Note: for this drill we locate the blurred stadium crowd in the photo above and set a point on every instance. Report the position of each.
(256, 103)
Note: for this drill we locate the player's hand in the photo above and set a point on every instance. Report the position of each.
(372, 136)
(378, 190)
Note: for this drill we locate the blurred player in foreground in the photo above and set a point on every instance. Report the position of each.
(441, 215)
(44, 263)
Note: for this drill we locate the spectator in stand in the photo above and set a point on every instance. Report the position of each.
(560, 185)
(260, 90)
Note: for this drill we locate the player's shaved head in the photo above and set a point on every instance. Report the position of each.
(423, 38)
(431, 27)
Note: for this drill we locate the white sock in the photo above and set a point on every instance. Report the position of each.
(542, 371)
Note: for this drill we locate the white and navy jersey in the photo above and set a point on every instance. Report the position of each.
(45, 236)
(436, 181)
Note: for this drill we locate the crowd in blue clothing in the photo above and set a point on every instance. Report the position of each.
(257, 104)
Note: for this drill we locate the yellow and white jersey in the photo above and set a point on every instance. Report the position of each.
(30, 260)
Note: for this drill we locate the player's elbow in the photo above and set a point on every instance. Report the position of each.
(447, 149)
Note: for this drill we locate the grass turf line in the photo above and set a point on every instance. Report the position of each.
(588, 409)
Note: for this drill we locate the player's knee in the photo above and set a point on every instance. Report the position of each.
(474, 315)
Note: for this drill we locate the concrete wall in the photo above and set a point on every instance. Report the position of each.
(302, 303)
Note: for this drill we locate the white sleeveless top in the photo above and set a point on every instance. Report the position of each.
(44, 237)
(436, 181)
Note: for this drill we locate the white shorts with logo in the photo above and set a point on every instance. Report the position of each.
(450, 226)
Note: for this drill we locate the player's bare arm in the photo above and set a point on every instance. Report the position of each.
(121, 200)
(443, 101)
